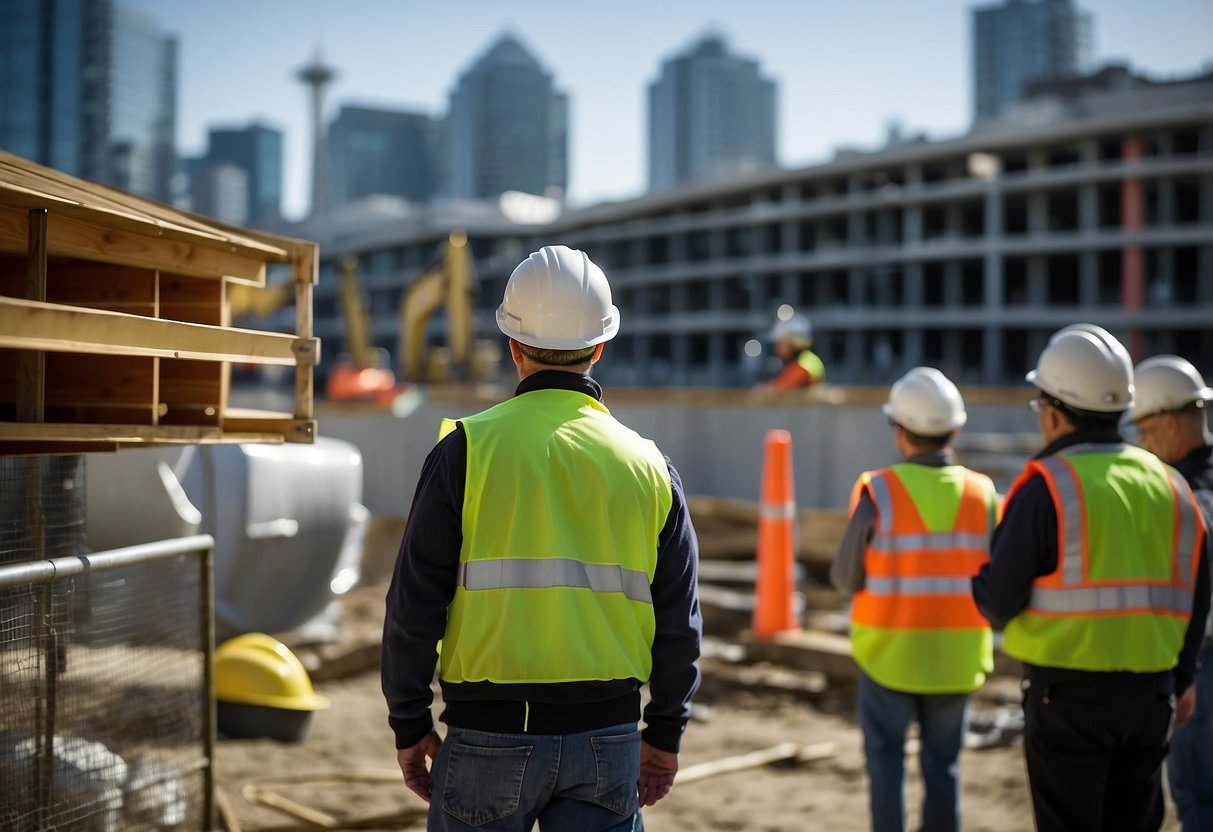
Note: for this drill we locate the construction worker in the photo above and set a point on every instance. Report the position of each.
(550, 549)
(1097, 574)
(1169, 412)
(793, 340)
(919, 530)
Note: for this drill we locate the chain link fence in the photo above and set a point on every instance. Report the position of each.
(106, 723)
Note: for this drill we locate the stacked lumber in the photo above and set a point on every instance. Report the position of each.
(728, 530)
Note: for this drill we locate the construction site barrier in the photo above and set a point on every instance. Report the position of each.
(106, 662)
(774, 608)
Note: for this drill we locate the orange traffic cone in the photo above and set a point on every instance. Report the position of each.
(774, 610)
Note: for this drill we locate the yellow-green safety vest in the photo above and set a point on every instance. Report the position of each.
(562, 511)
(1129, 544)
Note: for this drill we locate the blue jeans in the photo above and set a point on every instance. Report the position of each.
(884, 716)
(1190, 762)
(584, 782)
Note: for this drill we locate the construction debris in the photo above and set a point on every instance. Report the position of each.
(784, 752)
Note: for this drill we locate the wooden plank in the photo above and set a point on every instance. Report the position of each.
(33, 325)
(71, 237)
(126, 435)
(31, 364)
(305, 275)
(293, 430)
(807, 650)
(788, 751)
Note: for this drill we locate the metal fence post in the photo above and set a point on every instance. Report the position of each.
(208, 686)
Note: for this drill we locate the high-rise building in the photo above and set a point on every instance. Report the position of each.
(89, 87)
(221, 190)
(375, 151)
(1025, 40)
(507, 127)
(257, 150)
(711, 114)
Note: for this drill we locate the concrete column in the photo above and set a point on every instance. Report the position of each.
(789, 242)
(854, 362)
(641, 353)
(1037, 278)
(716, 366)
(1165, 277)
(716, 244)
(1206, 198)
(678, 247)
(1204, 267)
(991, 268)
(1088, 208)
(1038, 213)
(952, 221)
(913, 284)
(679, 358)
(912, 225)
(952, 275)
(1088, 279)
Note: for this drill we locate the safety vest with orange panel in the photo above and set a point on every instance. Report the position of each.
(1129, 542)
(914, 626)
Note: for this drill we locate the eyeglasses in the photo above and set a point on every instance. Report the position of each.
(1038, 403)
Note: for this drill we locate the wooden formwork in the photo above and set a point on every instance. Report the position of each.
(115, 322)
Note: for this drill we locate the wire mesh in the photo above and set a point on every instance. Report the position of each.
(102, 685)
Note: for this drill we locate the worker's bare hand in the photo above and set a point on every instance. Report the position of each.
(414, 767)
(657, 770)
(1185, 705)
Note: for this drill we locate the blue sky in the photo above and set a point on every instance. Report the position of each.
(844, 67)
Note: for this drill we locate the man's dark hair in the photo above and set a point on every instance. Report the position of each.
(557, 358)
(928, 444)
(1083, 419)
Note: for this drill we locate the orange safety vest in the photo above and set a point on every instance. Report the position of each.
(1129, 542)
(914, 625)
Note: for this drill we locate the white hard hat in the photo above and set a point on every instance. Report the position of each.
(926, 402)
(1164, 383)
(797, 326)
(1085, 367)
(558, 299)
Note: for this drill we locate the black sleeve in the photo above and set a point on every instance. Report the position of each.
(1023, 548)
(675, 675)
(846, 572)
(1185, 670)
(422, 588)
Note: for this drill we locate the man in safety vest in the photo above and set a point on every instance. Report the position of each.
(1169, 412)
(793, 342)
(550, 549)
(1098, 573)
(918, 533)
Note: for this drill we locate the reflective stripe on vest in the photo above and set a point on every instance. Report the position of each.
(518, 573)
(918, 586)
(914, 625)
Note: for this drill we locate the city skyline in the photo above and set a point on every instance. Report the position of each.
(882, 61)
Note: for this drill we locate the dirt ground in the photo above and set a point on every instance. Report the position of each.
(352, 737)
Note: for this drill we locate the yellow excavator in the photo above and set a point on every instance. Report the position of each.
(446, 283)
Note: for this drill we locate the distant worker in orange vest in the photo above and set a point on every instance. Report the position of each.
(1098, 575)
(919, 531)
(1169, 407)
(793, 341)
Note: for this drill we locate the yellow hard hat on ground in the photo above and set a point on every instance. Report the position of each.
(263, 690)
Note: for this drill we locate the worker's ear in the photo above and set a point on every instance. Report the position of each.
(515, 353)
(597, 354)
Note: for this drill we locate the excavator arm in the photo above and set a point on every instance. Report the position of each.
(448, 284)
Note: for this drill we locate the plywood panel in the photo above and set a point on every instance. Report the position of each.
(102, 286)
(101, 388)
(192, 391)
(191, 299)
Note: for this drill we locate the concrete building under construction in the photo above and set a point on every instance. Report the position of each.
(1092, 204)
